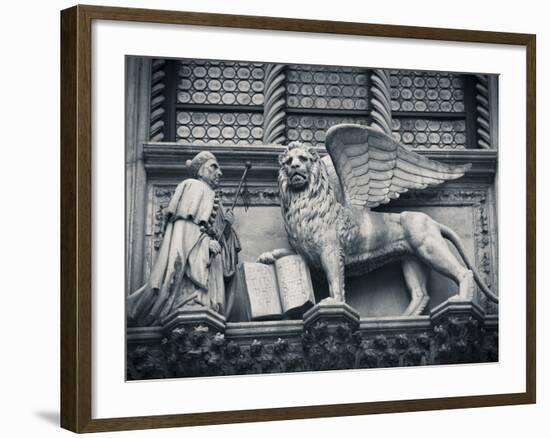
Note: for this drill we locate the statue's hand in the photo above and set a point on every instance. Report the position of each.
(214, 247)
(267, 258)
(229, 217)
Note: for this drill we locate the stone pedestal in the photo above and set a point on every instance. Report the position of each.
(330, 339)
(459, 334)
(458, 309)
(194, 316)
(333, 313)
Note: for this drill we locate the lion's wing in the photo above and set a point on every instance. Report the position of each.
(373, 168)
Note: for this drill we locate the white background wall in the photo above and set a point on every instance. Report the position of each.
(29, 308)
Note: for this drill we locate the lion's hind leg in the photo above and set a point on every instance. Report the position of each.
(416, 277)
(424, 235)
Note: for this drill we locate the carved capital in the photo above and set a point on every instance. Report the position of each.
(331, 312)
(193, 316)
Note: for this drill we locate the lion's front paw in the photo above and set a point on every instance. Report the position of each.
(267, 258)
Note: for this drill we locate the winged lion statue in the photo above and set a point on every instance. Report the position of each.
(326, 207)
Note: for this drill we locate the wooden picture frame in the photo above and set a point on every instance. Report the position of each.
(76, 217)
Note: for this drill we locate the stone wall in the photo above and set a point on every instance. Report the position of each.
(244, 111)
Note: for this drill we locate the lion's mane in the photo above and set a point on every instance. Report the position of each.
(313, 215)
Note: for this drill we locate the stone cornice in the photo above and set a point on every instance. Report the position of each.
(168, 160)
(391, 324)
(257, 330)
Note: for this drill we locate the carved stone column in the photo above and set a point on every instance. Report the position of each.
(486, 111)
(486, 97)
(158, 98)
(380, 101)
(138, 93)
(275, 104)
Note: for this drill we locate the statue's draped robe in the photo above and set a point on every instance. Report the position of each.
(184, 272)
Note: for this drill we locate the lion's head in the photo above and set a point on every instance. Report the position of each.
(299, 166)
(308, 201)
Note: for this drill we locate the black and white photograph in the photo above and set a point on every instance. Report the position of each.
(285, 218)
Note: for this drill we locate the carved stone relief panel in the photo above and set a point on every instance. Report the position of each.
(261, 229)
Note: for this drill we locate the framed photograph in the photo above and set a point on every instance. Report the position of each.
(268, 218)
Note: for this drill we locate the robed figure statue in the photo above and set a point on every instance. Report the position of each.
(198, 254)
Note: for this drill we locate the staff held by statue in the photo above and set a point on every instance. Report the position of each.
(244, 196)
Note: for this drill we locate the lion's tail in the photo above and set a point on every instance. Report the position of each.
(449, 234)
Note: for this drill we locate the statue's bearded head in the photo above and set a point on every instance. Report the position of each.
(296, 163)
